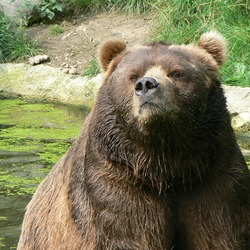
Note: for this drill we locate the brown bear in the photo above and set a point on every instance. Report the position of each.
(156, 167)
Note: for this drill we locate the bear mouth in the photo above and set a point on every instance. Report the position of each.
(151, 108)
(146, 104)
(148, 109)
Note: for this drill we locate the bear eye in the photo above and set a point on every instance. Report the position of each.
(176, 74)
(133, 78)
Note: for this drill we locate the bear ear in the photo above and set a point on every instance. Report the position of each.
(109, 50)
(215, 44)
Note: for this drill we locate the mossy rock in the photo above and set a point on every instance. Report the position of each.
(48, 84)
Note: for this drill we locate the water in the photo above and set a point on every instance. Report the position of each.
(33, 137)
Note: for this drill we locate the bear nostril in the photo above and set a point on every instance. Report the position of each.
(138, 86)
(150, 84)
(144, 84)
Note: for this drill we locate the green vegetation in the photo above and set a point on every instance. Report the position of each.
(2, 242)
(179, 22)
(129, 6)
(33, 138)
(185, 21)
(14, 44)
(93, 69)
(56, 30)
(48, 8)
(28, 126)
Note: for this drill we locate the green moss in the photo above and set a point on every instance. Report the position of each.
(16, 75)
(33, 136)
(2, 242)
(38, 120)
(17, 185)
(53, 151)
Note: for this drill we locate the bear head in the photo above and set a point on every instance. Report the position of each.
(162, 81)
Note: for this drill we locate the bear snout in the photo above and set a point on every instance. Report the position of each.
(146, 86)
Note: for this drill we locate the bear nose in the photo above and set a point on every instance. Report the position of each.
(145, 86)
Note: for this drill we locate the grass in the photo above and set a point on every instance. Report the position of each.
(14, 44)
(178, 21)
(56, 30)
(185, 21)
(129, 6)
(93, 69)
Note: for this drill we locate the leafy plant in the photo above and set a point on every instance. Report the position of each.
(48, 8)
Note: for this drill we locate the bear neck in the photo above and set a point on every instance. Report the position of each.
(170, 157)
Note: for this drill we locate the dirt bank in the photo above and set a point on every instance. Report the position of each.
(82, 35)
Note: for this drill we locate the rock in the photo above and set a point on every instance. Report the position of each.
(66, 36)
(238, 102)
(38, 59)
(73, 71)
(241, 122)
(18, 9)
(45, 83)
(65, 71)
(238, 99)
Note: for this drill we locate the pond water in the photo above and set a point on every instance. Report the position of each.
(33, 136)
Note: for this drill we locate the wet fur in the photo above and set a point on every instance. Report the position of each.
(127, 185)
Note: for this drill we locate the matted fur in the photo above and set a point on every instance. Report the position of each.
(157, 171)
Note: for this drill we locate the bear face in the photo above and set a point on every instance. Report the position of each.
(162, 81)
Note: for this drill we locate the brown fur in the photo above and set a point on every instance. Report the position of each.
(215, 44)
(109, 51)
(156, 172)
